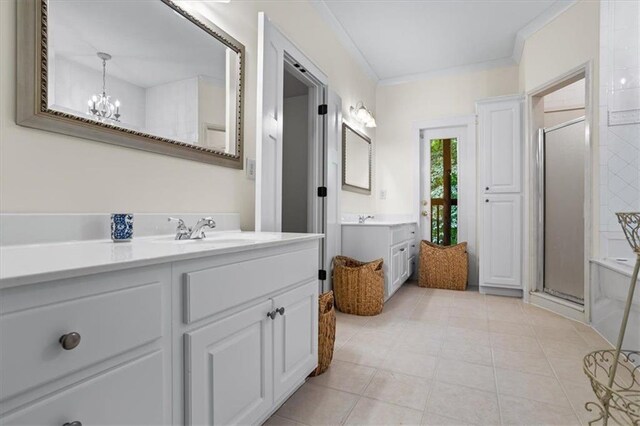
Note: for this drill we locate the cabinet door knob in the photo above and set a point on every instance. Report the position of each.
(486, 201)
(272, 314)
(486, 188)
(74, 423)
(280, 310)
(70, 341)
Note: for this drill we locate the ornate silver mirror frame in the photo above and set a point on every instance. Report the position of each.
(33, 110)
(346, 184)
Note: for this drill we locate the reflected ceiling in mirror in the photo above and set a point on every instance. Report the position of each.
(147, 69)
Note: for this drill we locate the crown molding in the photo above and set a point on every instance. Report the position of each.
(479, 66)
(328, 16)
(539, 22)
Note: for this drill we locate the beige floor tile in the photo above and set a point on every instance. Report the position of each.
(370, 355)
(276, 420)
(531, 386)
(562, 349)
(550, 320)
(564, 334)
(345, 376)
(514, 343)
(472, 294)
(458, 372)
(435, 301)
(463, 335)
(317, 405)
(463, 403)
(415, 342)
(534, 363)
(457, 350)
(345, 331)
(341, 317)
(569, 370)
(431, 316)
(594, 340)
(430, 419)
(469, 313)
(399, 389)
(520, 411)
(579, 395)
(371, 412)
(423, 329)
(385, 324)
(470, 323)
(491, 299)
(371, 337)
(513, 317)
(411, 363)
(506, 327)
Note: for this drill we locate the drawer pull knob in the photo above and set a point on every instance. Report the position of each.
(486, 188)
(486, 201)
(280, 310)
(75, 423)
(70, 341)
(272, 314)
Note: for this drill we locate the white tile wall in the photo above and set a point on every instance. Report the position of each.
(619, 144)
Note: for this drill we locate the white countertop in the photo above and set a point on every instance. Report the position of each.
(28, 264)
(380, 223)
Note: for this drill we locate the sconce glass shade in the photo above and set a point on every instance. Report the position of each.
(363, 115)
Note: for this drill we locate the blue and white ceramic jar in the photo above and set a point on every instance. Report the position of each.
(121, 227)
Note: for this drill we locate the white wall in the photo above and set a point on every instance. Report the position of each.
(47, 172)
(620, 144)
(295, 164)
(399, 106)
(172, 110)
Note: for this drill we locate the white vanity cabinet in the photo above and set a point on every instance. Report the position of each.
(500, 144)
(395, 244)
(208, 338)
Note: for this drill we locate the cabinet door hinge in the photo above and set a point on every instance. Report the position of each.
(322, 275)
(322, 191)
(323, 109)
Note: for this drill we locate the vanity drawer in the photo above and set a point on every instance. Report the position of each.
(108, 324)
(213, 290)
(399, 234)
(128, 395)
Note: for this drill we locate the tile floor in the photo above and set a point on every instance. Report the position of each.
(438, 357)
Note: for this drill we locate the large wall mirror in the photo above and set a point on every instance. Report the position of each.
(143, 74)
(356, 161)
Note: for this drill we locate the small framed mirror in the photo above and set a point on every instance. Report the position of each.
(356, 161)
(142, 74)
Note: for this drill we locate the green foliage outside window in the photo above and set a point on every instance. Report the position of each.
(437, 189)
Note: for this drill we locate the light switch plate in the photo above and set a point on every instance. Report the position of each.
(383, 194)
(251, 169)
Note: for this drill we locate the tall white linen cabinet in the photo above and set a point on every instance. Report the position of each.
(501, 141)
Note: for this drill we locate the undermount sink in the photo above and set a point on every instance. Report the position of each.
(220, 239)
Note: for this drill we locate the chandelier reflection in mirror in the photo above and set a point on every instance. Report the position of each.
(100, 106)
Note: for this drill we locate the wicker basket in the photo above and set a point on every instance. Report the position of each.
(326, 332)
(443, 267)
(358, 286)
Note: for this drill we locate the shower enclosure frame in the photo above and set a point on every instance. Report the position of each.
(534, 213)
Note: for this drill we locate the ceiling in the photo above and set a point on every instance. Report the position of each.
(402, 38)
(150, 44)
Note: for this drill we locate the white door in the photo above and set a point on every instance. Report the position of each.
(229, 369)
(501, 241)
(295, 337)
(500, 130)
(333, 146)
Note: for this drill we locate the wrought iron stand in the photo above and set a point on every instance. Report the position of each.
(615, 373)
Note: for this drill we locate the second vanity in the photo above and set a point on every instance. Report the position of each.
(396, 242)
(156, 331)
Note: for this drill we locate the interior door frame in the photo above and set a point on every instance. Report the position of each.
(534, 119)
(467, 177)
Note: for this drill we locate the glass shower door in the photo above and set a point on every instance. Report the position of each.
(563, 153)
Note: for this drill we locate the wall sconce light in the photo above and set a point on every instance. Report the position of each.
(363, 115)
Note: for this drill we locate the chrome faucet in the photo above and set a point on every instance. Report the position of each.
(362, 218)
(197, 232)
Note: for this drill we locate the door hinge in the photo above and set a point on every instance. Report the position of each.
(323, 109)
(322, 275)
(322, 191)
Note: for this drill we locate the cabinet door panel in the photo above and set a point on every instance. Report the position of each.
(296, 337)
(501, 241)
(228, 369)
(500, 142)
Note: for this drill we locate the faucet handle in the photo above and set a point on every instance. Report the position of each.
(177, 219)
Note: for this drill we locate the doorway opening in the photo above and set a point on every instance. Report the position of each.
(560, 120)
(297, 153)
(444, 191)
